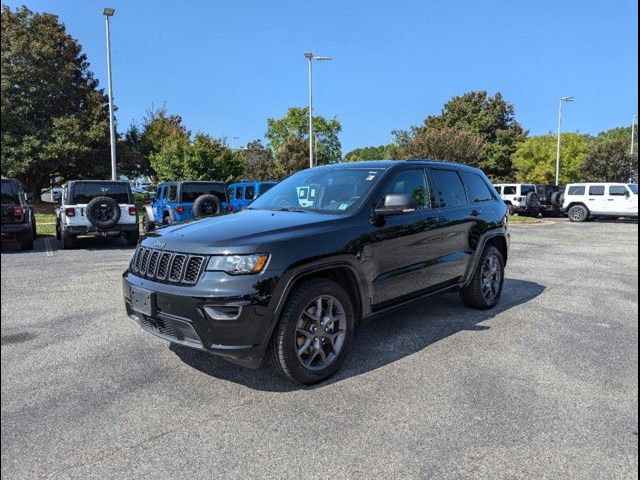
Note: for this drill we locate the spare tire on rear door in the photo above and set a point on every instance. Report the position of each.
(533, 201)
(556, 199)
(103, 212)
(206, 205)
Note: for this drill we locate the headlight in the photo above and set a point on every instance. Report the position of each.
(237, 264)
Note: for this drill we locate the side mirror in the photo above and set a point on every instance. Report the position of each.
(396, 205)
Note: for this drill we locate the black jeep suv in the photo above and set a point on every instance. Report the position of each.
(18, 217)
(290, 277)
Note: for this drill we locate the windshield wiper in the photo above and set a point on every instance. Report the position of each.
(289, 209)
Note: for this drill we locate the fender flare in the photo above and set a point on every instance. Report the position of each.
(148, 210)
(482, 243)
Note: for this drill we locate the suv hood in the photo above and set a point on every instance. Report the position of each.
(241, 232)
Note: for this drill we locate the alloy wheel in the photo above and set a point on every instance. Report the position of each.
(320, 332)
(491, 277)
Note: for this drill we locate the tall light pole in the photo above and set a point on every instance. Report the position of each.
(562, 100)
(108, 12)
(633, 134)
(311, 57)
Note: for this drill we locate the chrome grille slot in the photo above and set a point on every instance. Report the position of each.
(144, 261)
(177, 267)
(153, 263)
(192, 271)
(163, 266)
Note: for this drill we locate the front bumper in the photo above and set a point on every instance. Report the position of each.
(191, 315)
(90, 229)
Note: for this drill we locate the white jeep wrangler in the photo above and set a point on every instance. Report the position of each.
(96, 207)
(520, 198)
(583, 201)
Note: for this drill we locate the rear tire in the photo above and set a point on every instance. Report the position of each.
(485, 288)
(511, 209)
(578, 213)
(311, 339)
(68, 240)
(132, 238)
(26, 241)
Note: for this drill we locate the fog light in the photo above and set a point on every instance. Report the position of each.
(223, 312)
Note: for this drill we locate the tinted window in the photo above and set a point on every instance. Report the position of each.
(596, 190)
(191, 191)
(577, 190)
(85, 192)
(249, 193)
(477, 189)
(238, 193)
(510, 190)
(414, 183)
(265, 187)
(449, 188)
(618, 191)
(634, 188)
(172, 193)
(526, 189)
(499, 190)
(9, 192)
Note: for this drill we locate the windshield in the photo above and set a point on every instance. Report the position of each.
(191, 191)
(634, 188)
(85, 192)
(9, 193)
(323, 190)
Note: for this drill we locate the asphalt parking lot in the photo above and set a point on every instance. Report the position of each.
(545, 386)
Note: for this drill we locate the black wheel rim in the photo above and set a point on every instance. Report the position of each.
(320, 333)
(491, 277)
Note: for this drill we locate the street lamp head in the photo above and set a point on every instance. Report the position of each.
(108, 12)
(308, 55)
(323, 59)
(566, 99)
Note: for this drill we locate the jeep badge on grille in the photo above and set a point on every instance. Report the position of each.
(159, 244)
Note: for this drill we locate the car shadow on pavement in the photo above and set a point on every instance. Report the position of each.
(379, 341)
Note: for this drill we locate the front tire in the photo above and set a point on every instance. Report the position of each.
(578, 213)
(132, 238)
(26, 241)
(485, 288)
(314, 332)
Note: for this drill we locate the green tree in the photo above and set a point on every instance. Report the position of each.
(366, 153)
(492, 119)
(296, 124)
(54, 116)
(609, 161)
(257, 162)
(446, 144)
(535, 159)
(292, 156)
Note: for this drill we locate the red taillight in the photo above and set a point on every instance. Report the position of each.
(179, 209)
(70, 212)
(133, 211)
(18, 211)
(229, 208)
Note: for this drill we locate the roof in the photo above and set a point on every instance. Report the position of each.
(386, 164)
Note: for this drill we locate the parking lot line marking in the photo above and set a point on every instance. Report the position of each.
(48, 248)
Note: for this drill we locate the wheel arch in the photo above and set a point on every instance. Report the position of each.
(498, 239)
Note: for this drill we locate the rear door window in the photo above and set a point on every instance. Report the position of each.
(596, 190)
(191, 191)
(477, 189)
(239, 193)
(172, 193)
(526, 189)
(84, 192)
(9, 192)
(576, 190)
(249, 193)
(510, 190)
(449, 189)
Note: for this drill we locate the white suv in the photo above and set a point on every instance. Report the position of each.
(96, 207)
(520, 197)
(585, 200)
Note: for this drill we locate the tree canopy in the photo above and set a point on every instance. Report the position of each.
(54, 116)
(296, 124)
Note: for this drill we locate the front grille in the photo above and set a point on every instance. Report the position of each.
(171, 329)
(167, 267)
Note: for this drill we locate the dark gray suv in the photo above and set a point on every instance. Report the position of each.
(290, 278)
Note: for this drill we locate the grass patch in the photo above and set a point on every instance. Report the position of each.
(45, 218)
(519, 219)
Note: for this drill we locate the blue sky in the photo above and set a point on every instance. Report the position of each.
(228, 66)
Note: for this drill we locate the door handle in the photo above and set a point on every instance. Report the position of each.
(611, 200)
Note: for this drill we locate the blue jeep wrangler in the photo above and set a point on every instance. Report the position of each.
(241, 194)
(179, 201)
